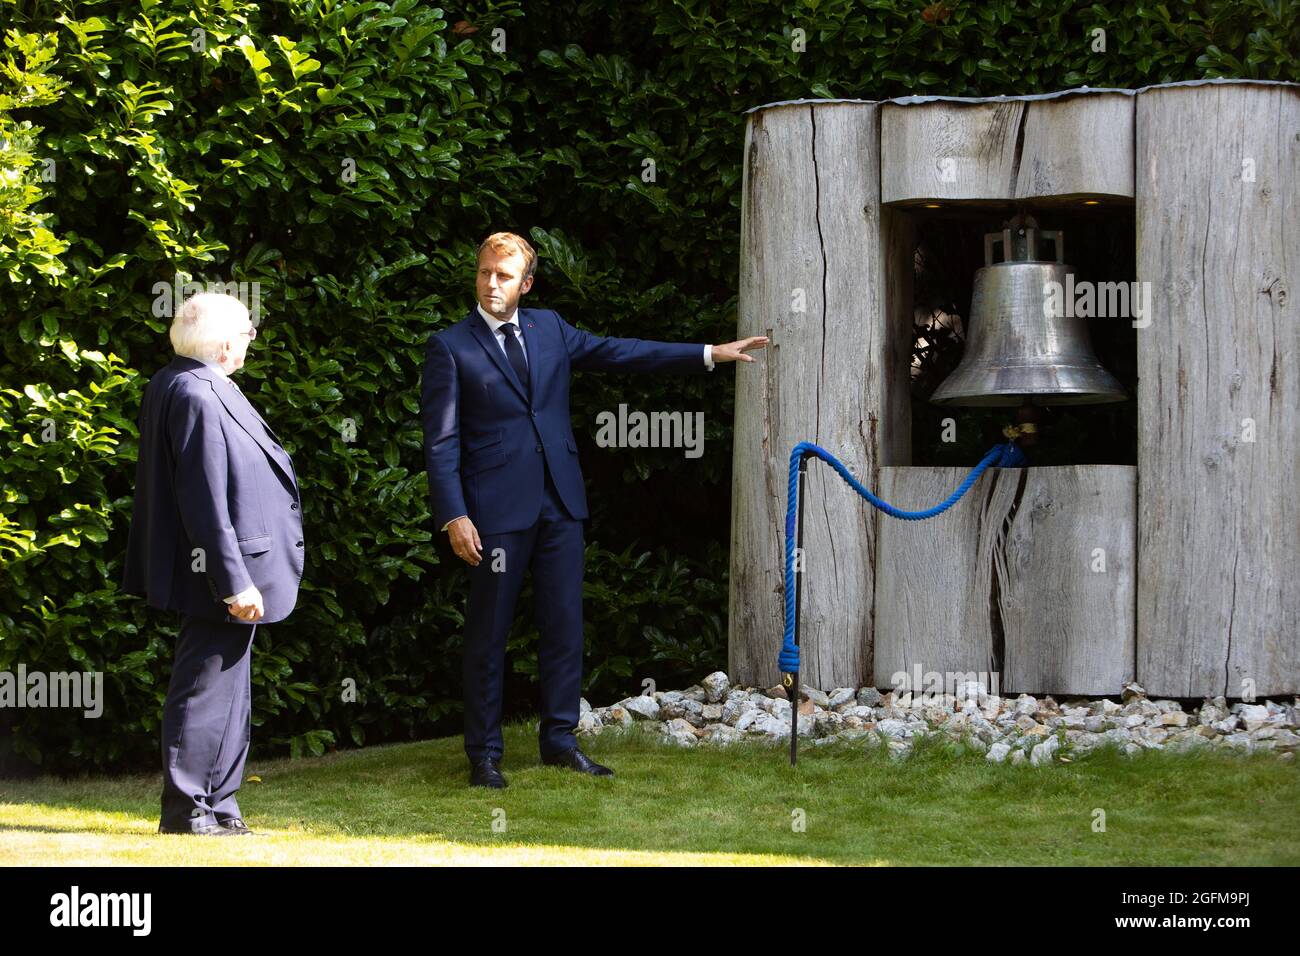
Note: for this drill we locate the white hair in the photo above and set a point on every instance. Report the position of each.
(204, 323)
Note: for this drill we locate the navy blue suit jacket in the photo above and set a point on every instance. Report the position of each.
(211, 475)
(485, 442)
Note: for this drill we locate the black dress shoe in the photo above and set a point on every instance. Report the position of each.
(575, 759)
(486, 773)
(212, 829)
(237, 825)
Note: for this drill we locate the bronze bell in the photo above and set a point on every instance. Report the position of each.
(1016, 353)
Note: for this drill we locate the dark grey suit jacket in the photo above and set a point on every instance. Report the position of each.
(216, 500)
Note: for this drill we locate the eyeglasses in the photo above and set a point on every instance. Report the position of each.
(251, 333)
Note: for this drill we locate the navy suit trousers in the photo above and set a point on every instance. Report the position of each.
(553, 549)
(205, 723)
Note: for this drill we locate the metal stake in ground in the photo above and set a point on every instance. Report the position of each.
(798, 594)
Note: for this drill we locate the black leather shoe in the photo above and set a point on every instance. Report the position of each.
(575, 759)
(486, 773)
(212, 829)
(237, 825)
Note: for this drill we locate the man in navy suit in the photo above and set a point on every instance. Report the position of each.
(505, 485)
(216, 535)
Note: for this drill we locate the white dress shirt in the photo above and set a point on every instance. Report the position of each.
(495, 325)
(252, 588)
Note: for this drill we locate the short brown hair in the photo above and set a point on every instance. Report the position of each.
(509, 243)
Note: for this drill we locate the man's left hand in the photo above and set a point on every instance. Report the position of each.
(735, 351)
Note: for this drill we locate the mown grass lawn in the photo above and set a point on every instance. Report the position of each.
(409, 804)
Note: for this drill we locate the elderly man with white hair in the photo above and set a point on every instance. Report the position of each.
(216, 536)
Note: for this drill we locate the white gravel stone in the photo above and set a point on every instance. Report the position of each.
(858, 711)
(998, 753)
(893, 728)
(735, 707)
(1043, 753)
(695, 693)
(1026, 706)
(1213, 709)
(869, 697)
(681, 731)
(641, 707)
(771, 726)
(816, 696)
(1132, 691)
(842, 695)
(827, 724)
(684, 708)
(721, 735)
(1253, 716)
(715, 687)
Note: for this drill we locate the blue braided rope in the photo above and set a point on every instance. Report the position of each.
(1005, 455)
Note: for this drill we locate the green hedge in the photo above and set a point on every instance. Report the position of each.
(212, 141)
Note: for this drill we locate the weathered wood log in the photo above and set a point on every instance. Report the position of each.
(811, 279)
(1030, 578)
(1076, 145)
(1219, 402)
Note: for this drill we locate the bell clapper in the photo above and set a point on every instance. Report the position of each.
(1025, 431)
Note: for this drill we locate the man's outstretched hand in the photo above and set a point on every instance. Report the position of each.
(735, 351)
(465, 541)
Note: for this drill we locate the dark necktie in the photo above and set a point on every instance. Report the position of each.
(516, 356)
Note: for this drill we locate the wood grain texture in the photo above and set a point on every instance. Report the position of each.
(1018, 149)
(932, 590)
(1077, 145)
(1067, 581)
(1219, 526)
(1030, 577)
(811, 279)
